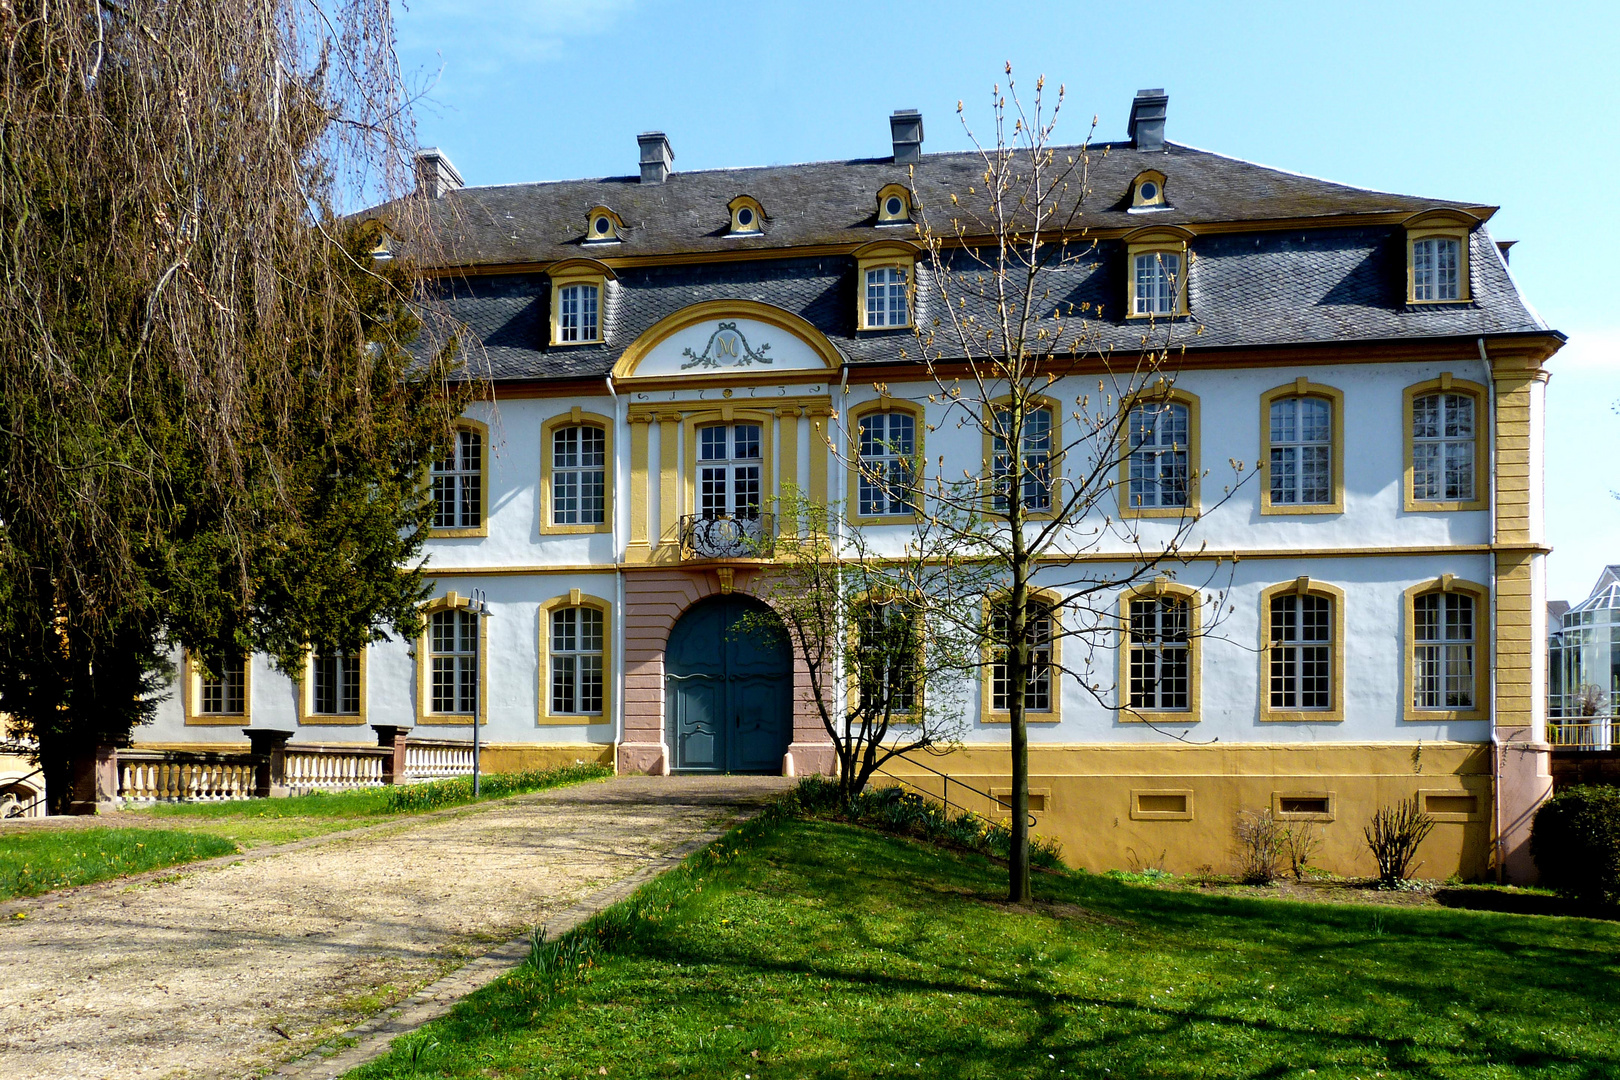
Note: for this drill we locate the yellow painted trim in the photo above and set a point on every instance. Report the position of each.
(669, 482)
(990, 715)
(627, 363)
(988, 448)
(1195, 655)
(544, 714)
(1151, 396)
(424, 667)
(195, 717)
(729, 416)
(820, 414)
(1452, 224)
(1484, 423)
(875, 256)
(1303, 387)
(578, 272)
(787, 460)
(577, 418)
(1334, 713)
(853, 471)
(746, 202)
(1330, 814)
(1166, 239)
(306, 695)
(640, 424)
(467, 423)
(904, 194)
(1156, 177)
(1139, 814)
(1482, 652)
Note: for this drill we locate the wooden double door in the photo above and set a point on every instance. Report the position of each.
(728, 688)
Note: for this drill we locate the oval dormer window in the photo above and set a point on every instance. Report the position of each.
(895, 206)
(603, 226)
(1150, 191)
(745, 217)
(1147, 192)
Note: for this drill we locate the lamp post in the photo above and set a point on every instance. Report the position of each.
(479, 607)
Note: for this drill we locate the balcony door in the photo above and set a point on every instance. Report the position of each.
(731, 471)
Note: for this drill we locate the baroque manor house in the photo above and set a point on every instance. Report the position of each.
(667, 350)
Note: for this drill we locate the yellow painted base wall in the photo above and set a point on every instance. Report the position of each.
(1091, 795)
(524, 757)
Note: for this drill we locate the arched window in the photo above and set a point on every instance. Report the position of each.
(1302, 650)
(458, 484)
(1445, 427)
(888, 448)
(1041, 692)
(1036, 445)
(1161, 456)
(577, 313)
(578, 475)
(1447, 645)
(451, 667)
(887, 657)
(1301, 449)
(1157, 277)
(578, 647)
(886, 303)
(1159, 658)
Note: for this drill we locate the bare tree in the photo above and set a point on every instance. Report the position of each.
(1085, 485)
(883, 684)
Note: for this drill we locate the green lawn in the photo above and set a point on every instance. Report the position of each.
(813, 949)
(36, 862)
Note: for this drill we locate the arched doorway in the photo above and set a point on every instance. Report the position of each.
(728, 688)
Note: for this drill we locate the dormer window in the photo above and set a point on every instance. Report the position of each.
(1437, 257)
(1147, 193)
(885, 269)
(578, 294)
(747, 217)
(1156, 273)
(603, 226)
(894, 205)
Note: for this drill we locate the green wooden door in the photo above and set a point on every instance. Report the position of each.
(727, 690)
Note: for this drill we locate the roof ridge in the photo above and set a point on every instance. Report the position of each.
(1324, 180)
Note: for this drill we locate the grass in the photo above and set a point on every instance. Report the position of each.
(37, 862)
(811, 948)
(34, 862)
(251, 822)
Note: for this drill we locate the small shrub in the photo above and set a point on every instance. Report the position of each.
(1575, 840)
(1259, 839)
(1393, 836)
(1300, 846)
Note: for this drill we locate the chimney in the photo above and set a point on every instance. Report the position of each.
(656, 157)
(435, 176)
(1147, 119)
(906, 128)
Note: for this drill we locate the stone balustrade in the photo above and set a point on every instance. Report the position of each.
(153, 776)
(437, 759)
(307, 768)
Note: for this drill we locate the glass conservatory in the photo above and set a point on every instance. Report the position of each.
(1583, 668)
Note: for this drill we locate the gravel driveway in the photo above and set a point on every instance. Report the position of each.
(226, 970)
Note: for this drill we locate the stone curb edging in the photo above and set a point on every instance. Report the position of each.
(56, 896)
(376, 1036)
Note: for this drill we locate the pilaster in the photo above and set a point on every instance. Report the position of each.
(638, 549)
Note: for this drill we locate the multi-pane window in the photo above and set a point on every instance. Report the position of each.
(1435, 268)
(579, 475)
(1301, 664)
(576, 660)
(336, 689)
(453, 661)
(458, 484)
(224, 693)
(1158, 433)
(886, 297)
(576, 313)
(1301, 451)
(1443, 637)
(1160, 655)
(730, 471)
(1038, 634)
(1035, 453)
(1158, 276)
(1443, 434)
(890, 645)
(888, 444)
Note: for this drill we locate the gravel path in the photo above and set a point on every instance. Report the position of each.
(224, 971)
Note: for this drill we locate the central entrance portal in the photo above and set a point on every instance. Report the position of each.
(728, 689)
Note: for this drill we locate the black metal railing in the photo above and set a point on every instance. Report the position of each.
(945, 796)
(725, 536)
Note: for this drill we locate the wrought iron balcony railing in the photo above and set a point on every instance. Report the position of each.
(728, 537)
(1584, 732)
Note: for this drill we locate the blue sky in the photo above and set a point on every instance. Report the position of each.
(1497, 103)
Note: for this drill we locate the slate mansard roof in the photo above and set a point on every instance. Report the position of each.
(1322, 262)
